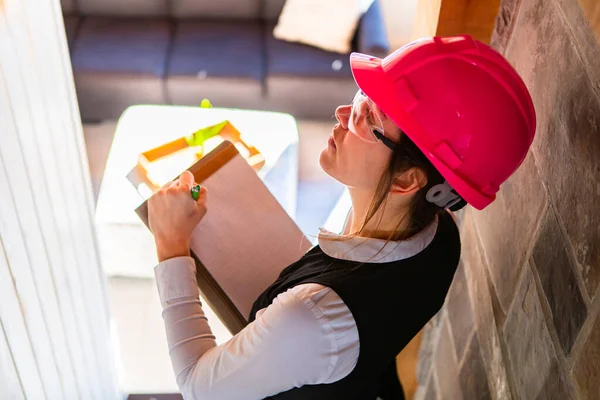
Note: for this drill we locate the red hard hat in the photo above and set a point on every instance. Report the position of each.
(461, 103)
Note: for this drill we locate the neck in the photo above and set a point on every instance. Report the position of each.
(384, 223)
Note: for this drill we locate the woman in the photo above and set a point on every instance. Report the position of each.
(440, 123)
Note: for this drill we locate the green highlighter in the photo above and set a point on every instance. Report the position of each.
(196, 192)
(198, 138)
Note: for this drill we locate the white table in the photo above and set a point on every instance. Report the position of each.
(126, 246)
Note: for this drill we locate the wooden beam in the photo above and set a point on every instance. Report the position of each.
(426, 18)
(457, 17)
(472, 17)
(591, 9)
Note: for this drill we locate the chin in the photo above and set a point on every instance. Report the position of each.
(326, 163)
(329, 167)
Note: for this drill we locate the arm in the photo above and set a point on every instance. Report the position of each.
(286, 346)
(289, 344)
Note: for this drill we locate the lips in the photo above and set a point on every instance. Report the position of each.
(331, 142)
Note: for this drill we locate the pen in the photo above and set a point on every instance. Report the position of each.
(195, 192)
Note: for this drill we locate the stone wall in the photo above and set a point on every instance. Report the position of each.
(521, 320)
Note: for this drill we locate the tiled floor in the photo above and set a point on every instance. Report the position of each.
(144, 365)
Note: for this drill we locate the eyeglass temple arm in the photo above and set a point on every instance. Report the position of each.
(389, 143)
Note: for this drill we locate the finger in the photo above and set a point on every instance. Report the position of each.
(186, 180)
(169, 184)
(202, 195)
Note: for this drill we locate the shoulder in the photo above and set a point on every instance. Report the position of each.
(449, 232)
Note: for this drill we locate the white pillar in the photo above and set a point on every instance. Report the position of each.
(54, 322)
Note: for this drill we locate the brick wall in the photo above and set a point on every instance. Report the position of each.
(521, 320)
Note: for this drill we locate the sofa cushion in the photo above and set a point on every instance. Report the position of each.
(68, 6)
(372, 36)
(217, 49)
(219, 9)
(121, 8)
(220, 61)
(118, 63)
(122, 45)
(71, 26)
(305, 81)
(271, 9)
(103, 96)
(308, 97)
(294, 59)
(329, 25)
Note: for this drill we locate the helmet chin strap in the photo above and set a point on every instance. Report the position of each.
(444, 196)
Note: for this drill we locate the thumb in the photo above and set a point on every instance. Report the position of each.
(186, 180)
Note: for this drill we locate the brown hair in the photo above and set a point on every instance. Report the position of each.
(421, 212)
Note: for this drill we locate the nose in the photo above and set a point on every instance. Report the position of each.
(342, 114)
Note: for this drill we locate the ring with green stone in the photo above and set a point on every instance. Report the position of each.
(195, 192)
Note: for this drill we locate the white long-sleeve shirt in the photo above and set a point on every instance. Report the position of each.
(306, 336)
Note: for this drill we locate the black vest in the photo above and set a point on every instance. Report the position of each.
(390, 303)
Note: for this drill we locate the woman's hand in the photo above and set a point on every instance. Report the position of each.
(173, 214)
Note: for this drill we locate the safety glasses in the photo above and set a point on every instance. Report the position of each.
(366, 123)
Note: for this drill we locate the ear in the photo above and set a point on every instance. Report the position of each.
(409, 182)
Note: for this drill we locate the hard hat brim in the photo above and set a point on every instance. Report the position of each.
(368, 73)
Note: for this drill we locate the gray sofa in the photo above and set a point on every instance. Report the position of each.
(127, 52)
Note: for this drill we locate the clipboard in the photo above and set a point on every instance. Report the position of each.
(244, 241)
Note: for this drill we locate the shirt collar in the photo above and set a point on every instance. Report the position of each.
(362, 249)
